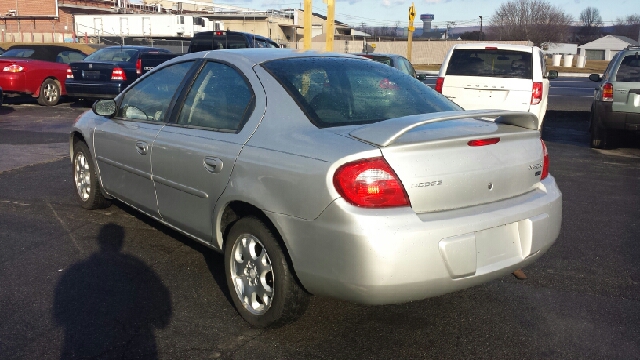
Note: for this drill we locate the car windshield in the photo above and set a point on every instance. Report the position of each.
(335, 91)
(491, 63)
(113, 54)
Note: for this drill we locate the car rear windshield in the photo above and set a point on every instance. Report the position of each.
(114, 54)
(629, 70)
(381, 59)
(336, 91)
(217, 42)
(25, 53)
(491, 63)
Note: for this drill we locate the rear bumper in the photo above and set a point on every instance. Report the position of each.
(395, 255)
(94, 90)
(13, 83)
(609, 119)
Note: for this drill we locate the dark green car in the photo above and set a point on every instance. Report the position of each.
(616, 103)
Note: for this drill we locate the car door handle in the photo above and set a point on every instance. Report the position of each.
(142, 147)
(212, 164)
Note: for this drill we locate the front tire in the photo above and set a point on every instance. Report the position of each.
(49, 93)
(262, 285)
(85, 179)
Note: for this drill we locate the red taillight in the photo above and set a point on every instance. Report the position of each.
(490, 48)
(439, 84)
(370, 183)
(69, 73)
(219, 33)
(484, 142)
(118, 74)
(545, 163)
(139, 67)
(536, 93)
(14, 68)
(607, 92)
(388, 84)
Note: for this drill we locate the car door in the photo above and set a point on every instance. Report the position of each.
(193, 157)
(123, 144)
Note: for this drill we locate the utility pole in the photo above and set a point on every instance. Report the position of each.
(412, 15)
(307, 24)
(331, 12)
(481, 37)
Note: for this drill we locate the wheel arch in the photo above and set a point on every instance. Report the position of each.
(60, 85)
(234, 211)
(74, 137)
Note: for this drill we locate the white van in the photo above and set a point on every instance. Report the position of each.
(496, 76)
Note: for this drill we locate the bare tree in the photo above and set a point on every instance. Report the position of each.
(590, 17)
(591, 25)
(628, 26)
(535, 20)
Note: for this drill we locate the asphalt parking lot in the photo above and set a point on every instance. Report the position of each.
(60, 264)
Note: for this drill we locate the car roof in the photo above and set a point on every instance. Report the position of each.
(523, 48)
(136, 47)
(44, 52)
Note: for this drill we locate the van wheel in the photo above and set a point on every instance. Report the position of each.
(262, 285)
(49, 93)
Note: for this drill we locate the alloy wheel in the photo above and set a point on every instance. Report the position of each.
(252, 274)
(82, 176)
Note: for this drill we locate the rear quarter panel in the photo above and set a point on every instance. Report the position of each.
(38, 71)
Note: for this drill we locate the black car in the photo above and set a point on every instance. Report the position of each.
(395, 61)
(106, 72)
(216, 40)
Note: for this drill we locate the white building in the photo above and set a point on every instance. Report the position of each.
(605, 47)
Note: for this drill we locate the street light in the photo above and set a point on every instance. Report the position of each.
(480, 28)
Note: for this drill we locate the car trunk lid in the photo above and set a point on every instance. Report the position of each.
(95, 71)
(440, 166)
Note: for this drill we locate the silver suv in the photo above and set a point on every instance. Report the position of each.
(616, 102)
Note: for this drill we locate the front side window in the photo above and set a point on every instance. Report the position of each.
(67, 57)
(335, 91)
(491, 63)
(220, 99)
(149, 99)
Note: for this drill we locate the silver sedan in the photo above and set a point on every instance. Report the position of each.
(319, 173)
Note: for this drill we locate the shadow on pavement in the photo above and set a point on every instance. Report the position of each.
(111, 303)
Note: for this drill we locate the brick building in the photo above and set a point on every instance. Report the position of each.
(52, 20)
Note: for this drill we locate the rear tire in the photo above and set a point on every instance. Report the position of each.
(85, 179)
(49, 93)
(599, 135)
(262, 285)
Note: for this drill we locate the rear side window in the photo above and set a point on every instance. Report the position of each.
(629, 70)
(336, 91)
(491, 63)
(25, 53)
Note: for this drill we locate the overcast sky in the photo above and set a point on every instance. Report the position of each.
(462, 12)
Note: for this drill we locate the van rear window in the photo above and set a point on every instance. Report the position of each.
(491, 63)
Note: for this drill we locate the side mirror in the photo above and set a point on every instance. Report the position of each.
(595, 77)
(553, 74)
(421, 77)
(104, 108)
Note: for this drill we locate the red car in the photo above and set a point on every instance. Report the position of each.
(37, 70)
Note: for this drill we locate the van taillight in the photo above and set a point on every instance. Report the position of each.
(545, 161)
(536, 93)
(118, 74)
(439, 84)
(607, 92)
(139, 67)
(370, 183)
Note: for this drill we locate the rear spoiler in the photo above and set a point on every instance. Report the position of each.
(385, 133)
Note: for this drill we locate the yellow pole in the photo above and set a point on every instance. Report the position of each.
(331, 15)
(412, 15)
(307, 24)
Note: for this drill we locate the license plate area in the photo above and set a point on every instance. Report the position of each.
(497, 248)
(90, 75)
